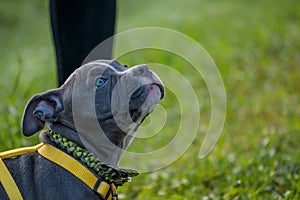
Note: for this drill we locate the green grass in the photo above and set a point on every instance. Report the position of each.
(256, 46)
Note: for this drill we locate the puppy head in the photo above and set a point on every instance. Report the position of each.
(116, 97)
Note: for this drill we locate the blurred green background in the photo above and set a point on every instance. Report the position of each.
(256, 46)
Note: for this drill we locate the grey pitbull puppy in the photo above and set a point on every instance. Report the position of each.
(99, 107)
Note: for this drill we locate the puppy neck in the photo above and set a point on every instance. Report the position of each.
(95, 143)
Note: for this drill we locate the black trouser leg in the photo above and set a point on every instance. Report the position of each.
(78, 26)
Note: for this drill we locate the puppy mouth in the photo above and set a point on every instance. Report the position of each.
(161, 88)
(143, 100)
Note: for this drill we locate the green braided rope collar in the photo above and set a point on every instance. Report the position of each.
(109, 173)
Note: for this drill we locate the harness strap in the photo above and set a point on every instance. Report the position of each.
(106, 191)
(8, 183)
(6, 179)
(20, 151)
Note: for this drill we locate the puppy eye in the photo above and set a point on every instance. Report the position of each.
(100, 82)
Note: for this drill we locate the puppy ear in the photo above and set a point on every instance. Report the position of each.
(41, 108)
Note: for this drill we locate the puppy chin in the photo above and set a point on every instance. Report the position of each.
(155, 94)
(150, 103)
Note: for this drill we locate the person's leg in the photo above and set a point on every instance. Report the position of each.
(78, 26)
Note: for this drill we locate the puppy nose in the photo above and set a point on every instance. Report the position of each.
(140, 70)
